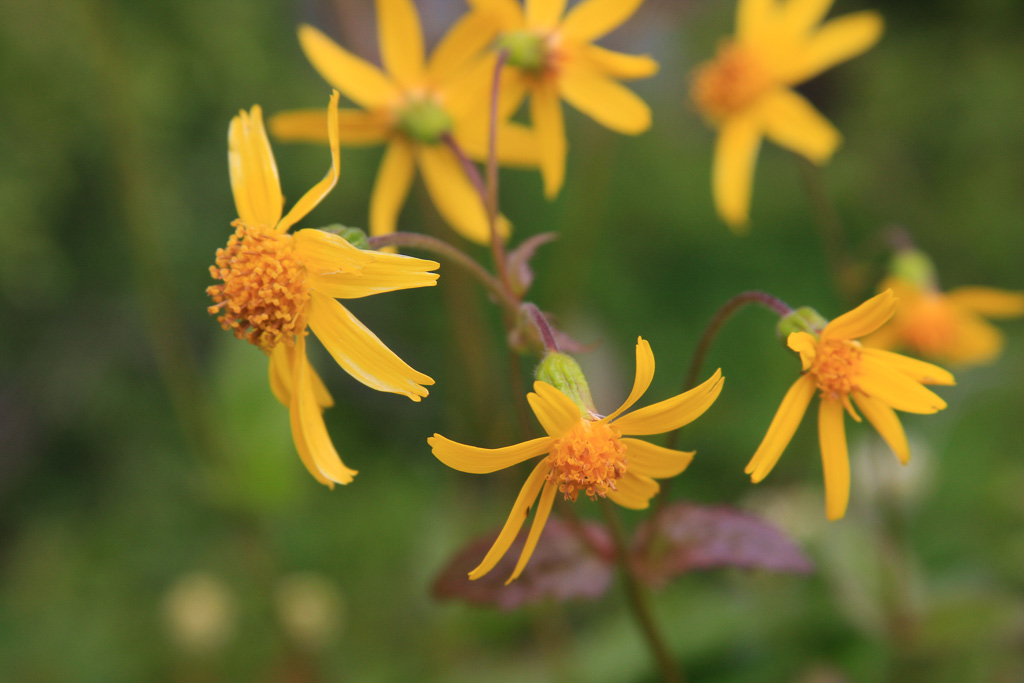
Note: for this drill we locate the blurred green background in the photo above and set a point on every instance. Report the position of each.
(155, 520)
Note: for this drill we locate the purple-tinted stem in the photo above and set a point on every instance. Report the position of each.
(491, 198)
(547, 335)
(468, 166)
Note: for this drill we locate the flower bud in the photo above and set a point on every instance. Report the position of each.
(354, 236)
(425, 121)
(525, 49)
(914, 266)
(803, 319)
(563, 373)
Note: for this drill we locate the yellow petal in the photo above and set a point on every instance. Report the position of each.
(516, 145)
(880, 380)
(467, 97)
(975, 342)
(360, 81)
(556, 412)
(592, 19)
(544, 13)
(359, 352)
(254, 180)
(988, 301)
(608, 102)
(634, 491)
(540, 518)
(674, 412)
(642, 379)
(864, 319)
(617, 64)
(390, 189)
(834, 458)
(463, 43)
(456, 199)
(800, 16)
(401, 41)
(755, 17)
(780, 431)
(732, 171)
(886, 423)
(282, 362)
(918, 370)
(520, 509)
(485, 460)
(355, 126)
(546, 116)
(791, 121)
(806, 345)
(315, 195)
(508, 13)
(655, 461)
(838, 41)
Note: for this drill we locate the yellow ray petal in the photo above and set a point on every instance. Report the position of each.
(879, 380)
(467, 97)
(755, 17)
(254, 180)
(918, 370)
(282, 363)
(655, 461)
(800, 16)
(356, 127)
(456, 199)
(608, 102)
(517, 145)
(540, 518)
(806, 345)
(546, 116)
(642, 379)
(390, 189)
(508, 13)
(886, 423)
(360, 81)
(732, 171)
(360, 353)
(988, 301)
(864, 319)
(674, 412)
(520, 509)
(485, 460)
(834, 458)
(792, 122)
(634, 491)
(401, 41)
(838, 41)
(780, 431)
(975, 341)
(556, 412)
(462, 44)
(617, 64)
(315, 195)
(592, 19)
(544, 13)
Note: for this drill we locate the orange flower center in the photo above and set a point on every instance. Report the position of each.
(728, 83)
(589, 459)
(929, 327)
(263, 298)
(836, 366)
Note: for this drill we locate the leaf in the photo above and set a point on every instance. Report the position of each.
(518, 261)
(563, 567)
(684, 537)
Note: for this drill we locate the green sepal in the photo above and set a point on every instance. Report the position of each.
(563, 373)
(803, 319)
(525, 50)
(354, 236)
(915, 267)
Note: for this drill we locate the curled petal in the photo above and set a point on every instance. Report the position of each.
(254, 180)
(864, 319)
(556, 412)
(540, 518)
(644, 375)
(355, 126)
(806, 345)
(315, 195)
(780, 431)
(485, 460)
(674, 412)
(281, 367)
(655, 461)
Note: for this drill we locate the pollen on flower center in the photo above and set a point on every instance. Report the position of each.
(728, 83)
(265, 290)
(836, 366)
(589, 459)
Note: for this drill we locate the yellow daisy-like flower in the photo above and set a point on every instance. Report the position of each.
(948, 326)
(412, 106)
(553, 57)
(276, 286)
(746, 90)
(586, 454)
(840, 369)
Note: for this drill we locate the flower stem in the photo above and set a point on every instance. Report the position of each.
(491, 198)
(833, 235)
(638, 601)
(547, 335)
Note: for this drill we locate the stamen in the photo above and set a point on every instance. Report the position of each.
(589, 459)
(836, 367)
(729, 83)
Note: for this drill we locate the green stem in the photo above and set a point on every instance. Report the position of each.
(830, 227)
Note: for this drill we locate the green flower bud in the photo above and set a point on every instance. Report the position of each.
(354, 236)
(525, 50)
(914, 266)
(425, 121)
(803, 319)
(563, 373)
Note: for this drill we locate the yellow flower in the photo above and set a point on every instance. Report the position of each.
(275, 286)
(948, 326)
(586, 453)
(840, 369)
(412, 108)
(553, 57)
(746, 91)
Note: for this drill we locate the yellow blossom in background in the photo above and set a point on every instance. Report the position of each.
(411, 107)
(276, 286)
(553, 57)
(948, 326)
(841, 370)
(746, 91)
(586, 453)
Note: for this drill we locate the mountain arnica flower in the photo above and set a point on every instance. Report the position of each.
(584, 453)
(846, 374)
(746, 91)
(553, 58)
(276, 286)
(414, 106)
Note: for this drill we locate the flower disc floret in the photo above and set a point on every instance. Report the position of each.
(589, 459)
(836, 367)
(729, 83)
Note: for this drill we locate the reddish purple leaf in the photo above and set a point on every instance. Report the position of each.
(685, 537)
(564, 566)
(518, 261)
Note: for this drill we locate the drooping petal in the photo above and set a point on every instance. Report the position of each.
(282, 364)
(546, 116)
(520, 510)
(556, 412)
(989, 301)
(918, 370)
(360, 353)
(834, 458)
(755, 17)
(886, 423)
(315, 194)
(634, 491)
(356, 127)
(674, 412)
(608, 102)
(618, 64)
(642, 380)
(592, 19)
(864, 319)
(463, 43)
(544, 13)
(780, 431)
(254, 180)
(792, 122)
(454, 196)
(655, 461)
(806, 345)
(401, 41)
(975, 341)
(485, 460)
(360, 81)
(888, 384)
(390, 189)
(732, 171)
(540, 518)
(839, 40)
